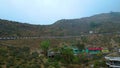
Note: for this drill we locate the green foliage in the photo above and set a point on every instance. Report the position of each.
(76, 60)
(18, 57)
(67, 55)
(83, 58)
(3, 52)
(64, 27)
(99, 63)
(94, 25)
(34, 55)
(54, 65)
(45, 45)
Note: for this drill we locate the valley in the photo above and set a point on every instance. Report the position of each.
(53, 46)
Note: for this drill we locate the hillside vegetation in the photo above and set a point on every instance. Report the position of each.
(26, 52)
(100, 23)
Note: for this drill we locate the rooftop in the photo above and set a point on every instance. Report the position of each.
(113, 58)
(95, 48)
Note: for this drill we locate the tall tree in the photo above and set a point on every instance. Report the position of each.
(45, 46)
(67, 54)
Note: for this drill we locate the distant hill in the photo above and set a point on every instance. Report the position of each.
(100, 23)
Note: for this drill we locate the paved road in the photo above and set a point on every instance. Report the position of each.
(14, 38)
(42, 37)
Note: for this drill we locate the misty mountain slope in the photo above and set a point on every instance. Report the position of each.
(100, 23)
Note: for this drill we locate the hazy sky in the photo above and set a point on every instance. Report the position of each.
(49, 11)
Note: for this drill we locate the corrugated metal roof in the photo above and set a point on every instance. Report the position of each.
(113, 58)
(95, 48)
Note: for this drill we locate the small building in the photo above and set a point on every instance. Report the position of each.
(105, 50)
(51, 53)
(75, 50)
(93, 50)
(113, 62)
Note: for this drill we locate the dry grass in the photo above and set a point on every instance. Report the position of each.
(34, 43)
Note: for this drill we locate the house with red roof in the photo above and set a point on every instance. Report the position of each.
(93, 50)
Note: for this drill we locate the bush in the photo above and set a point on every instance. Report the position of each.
(76, 60)
(35, 55)
(98, 64)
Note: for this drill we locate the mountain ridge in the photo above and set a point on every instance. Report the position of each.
(64, 27)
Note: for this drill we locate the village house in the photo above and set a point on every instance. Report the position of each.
(89, 50)
(93, 50)
(105, 50)
(113, 59)
(52, 52)
(77, 51)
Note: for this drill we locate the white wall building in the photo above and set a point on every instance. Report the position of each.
(113, 62)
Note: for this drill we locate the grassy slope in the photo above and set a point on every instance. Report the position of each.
(89, 41)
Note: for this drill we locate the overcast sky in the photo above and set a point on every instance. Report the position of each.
(49, 11)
